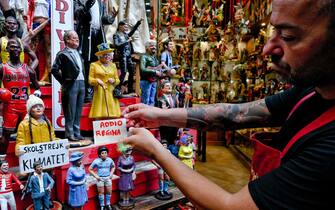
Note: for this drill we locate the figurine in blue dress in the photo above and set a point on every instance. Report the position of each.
(76, 179)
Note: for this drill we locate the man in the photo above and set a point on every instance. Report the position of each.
(40, 185)
(150, 71)
(16, 77)
(166, 57)
(11, 27)
(122, 41)
(167, 101)
(91, 16)
(68, 70)
(301, 49)
(6, 190)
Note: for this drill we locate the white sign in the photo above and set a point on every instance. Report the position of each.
(109, 131)
(61, 20)
(50, 154)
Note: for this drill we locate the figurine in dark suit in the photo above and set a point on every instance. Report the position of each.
(168, 101)
(68, 69)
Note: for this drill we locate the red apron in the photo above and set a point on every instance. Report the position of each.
(266, 158)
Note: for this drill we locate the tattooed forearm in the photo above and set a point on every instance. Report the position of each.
(229, 116)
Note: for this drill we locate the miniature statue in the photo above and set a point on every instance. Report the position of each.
(185, 153)
(40, 194)
(122, 41)
(104, 175)
(38, 13)
(150, 72)
(6, 190)
(16, 107)
(166, 58)
(104, 79)
(76, 179)
(68, 69)
(11, 29)
(168, 101)
(164, 179)
(126, 165)
(36, 127)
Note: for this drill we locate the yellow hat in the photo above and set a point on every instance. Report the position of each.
(103, 48)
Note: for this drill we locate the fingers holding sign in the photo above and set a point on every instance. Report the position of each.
(141, 115)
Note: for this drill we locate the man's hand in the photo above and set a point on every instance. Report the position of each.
(114, 12)
(111, 80)
(21, 186)
(89, 4)
(100, 82)
(141, 115)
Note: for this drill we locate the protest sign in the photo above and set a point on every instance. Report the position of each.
(50, 154)
(109, 131)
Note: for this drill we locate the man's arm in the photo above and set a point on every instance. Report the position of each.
(33, 78)
(56, 69)
(32, 56)
(138, 23)
(229, 116)
(213, 116)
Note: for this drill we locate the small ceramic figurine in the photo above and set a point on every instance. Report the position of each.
(126, 165)
(105, 169)
(35, 128)
(185, 153)
(164, 179)
(40, 185)
(6, 190)
(167, 101)
(76, 179)
(103, 77)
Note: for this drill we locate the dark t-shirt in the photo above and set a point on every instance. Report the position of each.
(306, 177)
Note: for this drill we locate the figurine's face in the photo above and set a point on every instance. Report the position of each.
(39, 169)
(123, 28)
(73, 40)
(14, 48)
(11, 24)
(106, 57)
(37, 111)
(170, 46)
(152, 48)
(167, 88)
(78, 162)
(4, 167)
(103, 155)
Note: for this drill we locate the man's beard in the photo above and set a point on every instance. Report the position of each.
(319, 69)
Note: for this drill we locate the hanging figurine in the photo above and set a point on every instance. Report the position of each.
(126, 165)
(105, 169)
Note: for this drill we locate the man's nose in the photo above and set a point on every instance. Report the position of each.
(273, 47)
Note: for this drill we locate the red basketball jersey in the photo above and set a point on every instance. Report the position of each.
(16, 80)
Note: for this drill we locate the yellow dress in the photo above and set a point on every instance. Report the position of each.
(185, 154)
(103, 97)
